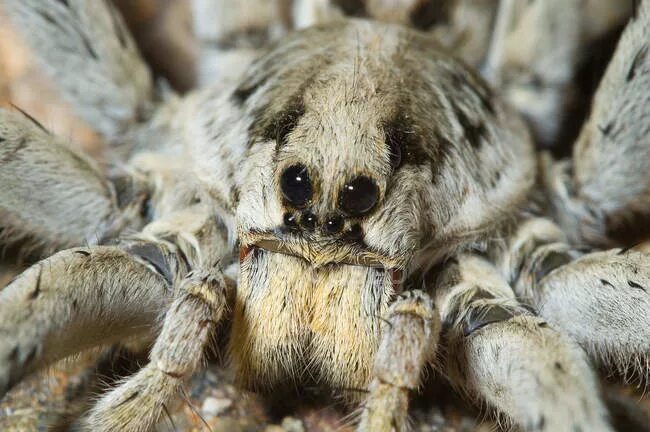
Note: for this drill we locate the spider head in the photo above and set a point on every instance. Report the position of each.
(368, 144)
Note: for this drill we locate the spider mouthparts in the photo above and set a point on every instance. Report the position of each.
(327, 257)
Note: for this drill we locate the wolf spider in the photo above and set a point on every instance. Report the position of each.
(357, 205)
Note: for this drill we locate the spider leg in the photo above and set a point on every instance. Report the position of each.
(77, 299)
(533, 57)
(601, 299)
(535, 52)
(410, 335)
(499, 352)
(230, 35)
(606, 189)
(54, 197)
(89, 53)
(84, 297)
(142, 399)
(307, 13)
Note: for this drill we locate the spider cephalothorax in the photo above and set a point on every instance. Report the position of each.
(356, 194)
(345, 163)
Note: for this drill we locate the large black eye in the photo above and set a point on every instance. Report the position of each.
(358, 196)
(296, 186)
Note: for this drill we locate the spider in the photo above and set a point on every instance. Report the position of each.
(356, 203)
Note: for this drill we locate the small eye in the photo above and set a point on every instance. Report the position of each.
(296, 185)
(308, 220)
(358, 196)
(334, 224)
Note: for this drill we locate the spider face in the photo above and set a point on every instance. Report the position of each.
(350, 162)
(354, 174)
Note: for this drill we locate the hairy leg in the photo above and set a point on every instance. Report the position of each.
(231, 34)
(463, 26)
(533, 57)
(408, 343)
(140, 402)
(601, 299)
(605, 188)
(499, 352)
(54, 197)
(89, 53)
(77, 299)
(85, 297)
(536, 49)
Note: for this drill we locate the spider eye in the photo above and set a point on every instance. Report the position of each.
(358, 196)
(296, 185)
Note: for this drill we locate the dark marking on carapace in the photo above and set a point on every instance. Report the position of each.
(242, 93)
(277, 126)
(82, 252)
(416, 148)
(473, 131)
(284, 106)
(475, 85)
(394, 137)
(286, 122)
(247, 88)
